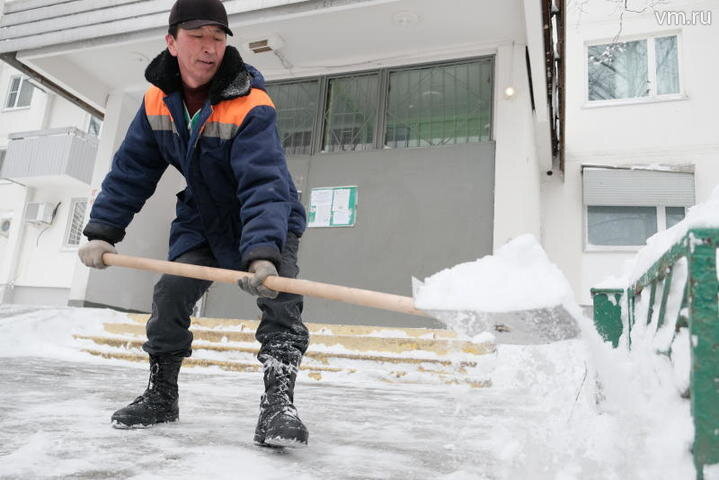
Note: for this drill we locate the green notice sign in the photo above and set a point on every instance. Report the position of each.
(333, 207)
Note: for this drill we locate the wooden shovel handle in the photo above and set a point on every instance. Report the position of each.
(356, 296)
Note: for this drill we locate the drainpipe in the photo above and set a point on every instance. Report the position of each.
(9, 268)
(47, 114)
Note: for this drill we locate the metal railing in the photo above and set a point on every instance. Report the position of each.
(683, 291)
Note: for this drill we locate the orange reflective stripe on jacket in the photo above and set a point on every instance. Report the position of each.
(228, 116)
(158, 115)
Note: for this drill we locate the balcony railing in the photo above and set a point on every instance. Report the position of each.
(682, 289)
(56, 152)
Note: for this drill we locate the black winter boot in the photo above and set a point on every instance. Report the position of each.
(158, 404)
(279, 425)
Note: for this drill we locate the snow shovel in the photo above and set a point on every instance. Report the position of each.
(528, 326)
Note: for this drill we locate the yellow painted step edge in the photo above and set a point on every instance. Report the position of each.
(330, 329)
(319, 356)
(204, 362)
(313, 372)
(361, 344)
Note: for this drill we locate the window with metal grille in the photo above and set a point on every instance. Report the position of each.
(20, 93)
(439, 105)
(296, 105)
(75, 221)
(351, 113)
(416, 106)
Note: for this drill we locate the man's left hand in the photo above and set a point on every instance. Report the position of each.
(253, 285)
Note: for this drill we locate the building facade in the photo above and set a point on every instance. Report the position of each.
(429, 125)
(47, 153)
(641, 141)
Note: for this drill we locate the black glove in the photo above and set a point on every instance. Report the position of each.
(253, 285)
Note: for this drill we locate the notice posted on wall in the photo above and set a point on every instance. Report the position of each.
(333, 207)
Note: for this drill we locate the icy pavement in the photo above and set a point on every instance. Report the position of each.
(54, 423)
(541, 419)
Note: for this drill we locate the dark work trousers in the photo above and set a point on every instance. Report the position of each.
(281, 333)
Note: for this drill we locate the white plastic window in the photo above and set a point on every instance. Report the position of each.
(628, 226)
(633, 69)
(20, 93)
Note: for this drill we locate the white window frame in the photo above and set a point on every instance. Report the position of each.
(652, 71)
(23, 79)
(591, 248)
(70, 216)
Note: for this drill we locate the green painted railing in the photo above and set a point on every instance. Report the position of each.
(684, 290)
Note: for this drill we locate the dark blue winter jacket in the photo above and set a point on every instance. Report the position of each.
(240, 199)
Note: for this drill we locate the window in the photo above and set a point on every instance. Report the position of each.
(296, 111)
(351, 113)
(75, 220)
(628, 226)
(20, 93)
(636, 69)
(416, 106)
(624, 207)
(439, 105)
(94, 126)
(674, 215)
(2, 160)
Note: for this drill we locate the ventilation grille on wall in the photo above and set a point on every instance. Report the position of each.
(269, 44)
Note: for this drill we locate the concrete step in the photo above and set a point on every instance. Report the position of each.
(314, 328)
(399, 355)
(360, 343)
(322, 357)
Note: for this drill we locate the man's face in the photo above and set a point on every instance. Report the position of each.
(199, 53)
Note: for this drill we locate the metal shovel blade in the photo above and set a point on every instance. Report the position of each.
(522, 327)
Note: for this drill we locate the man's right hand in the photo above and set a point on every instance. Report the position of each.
(91, 253)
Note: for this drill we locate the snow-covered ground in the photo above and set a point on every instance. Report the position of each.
(539, 420)
(565, 410)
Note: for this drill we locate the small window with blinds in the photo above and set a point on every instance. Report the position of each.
(624, 206)
(75, 220)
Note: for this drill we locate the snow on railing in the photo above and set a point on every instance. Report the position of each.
(672, 310)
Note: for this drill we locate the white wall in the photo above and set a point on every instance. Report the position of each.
(681, 131)
(516, 195)
(13, 198)
(64, 114)
(34, 256)
(44, 261)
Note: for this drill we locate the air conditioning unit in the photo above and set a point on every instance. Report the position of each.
(5, 224)
(39, 213)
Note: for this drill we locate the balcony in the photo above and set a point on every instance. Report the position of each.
(66, 155)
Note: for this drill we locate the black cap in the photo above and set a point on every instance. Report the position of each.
(192, 14)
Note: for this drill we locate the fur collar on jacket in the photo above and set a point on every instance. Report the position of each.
(232, 79)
